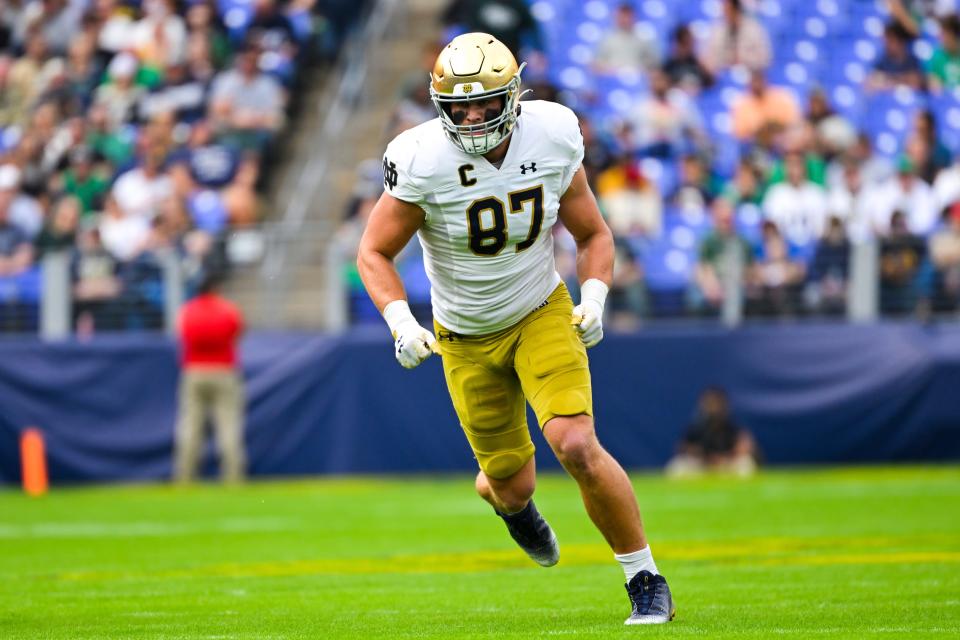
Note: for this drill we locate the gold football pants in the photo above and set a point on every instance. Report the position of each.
(540, 359)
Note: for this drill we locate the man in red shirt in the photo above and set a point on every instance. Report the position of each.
(209, 328)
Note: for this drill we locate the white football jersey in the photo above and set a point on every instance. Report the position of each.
(487, 245)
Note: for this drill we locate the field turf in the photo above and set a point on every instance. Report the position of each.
(839, 553)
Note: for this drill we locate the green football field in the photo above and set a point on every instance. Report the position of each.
(846, 553)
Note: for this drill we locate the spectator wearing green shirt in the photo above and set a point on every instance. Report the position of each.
(943, 69)
(83, 181)
(713, 262)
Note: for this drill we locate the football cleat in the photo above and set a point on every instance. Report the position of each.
(651, 599)
(528, 528)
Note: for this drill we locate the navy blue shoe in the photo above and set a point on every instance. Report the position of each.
(528, 528)
(651, 599)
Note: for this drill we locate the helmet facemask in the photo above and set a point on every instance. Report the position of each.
(481, 138)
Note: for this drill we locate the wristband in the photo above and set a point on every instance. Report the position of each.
(397, 313)
(595, 291)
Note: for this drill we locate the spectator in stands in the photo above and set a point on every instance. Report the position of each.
(798, 140)
(141, 191)
(630, 203)
(627, 300)
(626, 47)
(26, 80)
(902, 254)
(850, 202)
(896, 66)
(96, 288)
(925, 148)
(664, 120)
(113, 23)
(831, 133)
(246, 104)
(16, 251)
(696, 185)
(59, 233)
(56, 20)
(775, 276)
(910, 14)
(945, 256)
(829, 270)
(159, 38)
(746, 187)
(683, 66)
(82, 74)
(121, 96)
(714, 441)
(598, 152)
(946, 186)
(116, 146)
(718, 253)
(240, 196)
(414, 108)
(874, 168)
(204, 24)
(797, 206)
(509, 21)
(763, 105)
(20, 209)
(210, 327)
(737, 39)
(273, 31)
(907, 193)
(943, 68)
(181, 94)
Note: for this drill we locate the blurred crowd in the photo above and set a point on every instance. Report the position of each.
(133, 132)
(790, 185)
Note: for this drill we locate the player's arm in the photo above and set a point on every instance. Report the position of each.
(580, 214)
(391, 225)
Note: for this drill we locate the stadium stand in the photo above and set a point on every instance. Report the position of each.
(134, 131)
(875, 133)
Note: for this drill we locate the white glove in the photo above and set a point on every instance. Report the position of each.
(412, 343)
(588, 315)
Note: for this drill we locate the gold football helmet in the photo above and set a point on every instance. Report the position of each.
(476, 66)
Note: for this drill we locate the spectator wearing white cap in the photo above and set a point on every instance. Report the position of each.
(121, 96)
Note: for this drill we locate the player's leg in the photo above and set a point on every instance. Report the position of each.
(511, 494)
(488, 400)
(606, 490)
(552, 365)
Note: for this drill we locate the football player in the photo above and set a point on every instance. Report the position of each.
(482, 185)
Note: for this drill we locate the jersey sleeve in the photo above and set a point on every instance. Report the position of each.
(398, 161)
(570, 141)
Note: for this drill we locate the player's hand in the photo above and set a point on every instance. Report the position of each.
(588, 321)
(588, 315)
(413, 344)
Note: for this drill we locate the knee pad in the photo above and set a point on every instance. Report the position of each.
(569, 402)
(503, 464)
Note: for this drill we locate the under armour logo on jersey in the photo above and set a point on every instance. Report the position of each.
(532, 168)
(390, 175)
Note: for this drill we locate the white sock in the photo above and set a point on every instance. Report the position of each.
(637, 561)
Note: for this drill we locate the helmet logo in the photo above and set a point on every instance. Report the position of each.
(468, 88)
